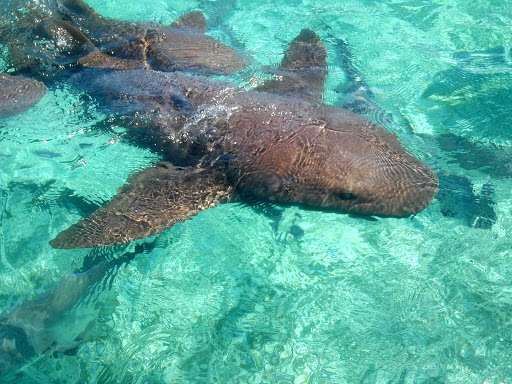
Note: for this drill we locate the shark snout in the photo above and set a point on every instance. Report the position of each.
(414, 189)
(398, 189)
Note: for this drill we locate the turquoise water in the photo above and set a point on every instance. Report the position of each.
(243, 294)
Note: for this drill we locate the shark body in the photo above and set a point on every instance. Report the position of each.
(276, 143)
(227, 144)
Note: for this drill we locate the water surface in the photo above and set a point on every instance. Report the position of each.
(243, 294)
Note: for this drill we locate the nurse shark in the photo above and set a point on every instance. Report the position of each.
(275, 143)
(42, 40)
(223, 144)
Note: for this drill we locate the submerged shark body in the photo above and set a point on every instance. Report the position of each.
(18, 94)
(30, 330)
(54, 40)
(181, 45)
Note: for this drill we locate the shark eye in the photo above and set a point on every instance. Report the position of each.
(345, 196)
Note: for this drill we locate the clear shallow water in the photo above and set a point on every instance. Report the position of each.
(237, 295)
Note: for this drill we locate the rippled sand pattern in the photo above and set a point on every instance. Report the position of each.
(271, 294)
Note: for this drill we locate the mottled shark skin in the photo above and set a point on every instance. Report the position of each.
(18, 93)
(181, 45)
(236, 144)
(152, 201)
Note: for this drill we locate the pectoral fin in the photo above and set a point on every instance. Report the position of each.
(155, 199)
(193, 21)
(303, 70)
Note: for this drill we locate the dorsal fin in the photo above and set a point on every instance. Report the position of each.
(194, 21)
(305, 52)
(303, 69)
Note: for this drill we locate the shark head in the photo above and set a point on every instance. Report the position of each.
(366, 171)
(331, 159)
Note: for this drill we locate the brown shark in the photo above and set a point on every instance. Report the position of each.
(42, 40)
(182, 45)
(229, 144)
